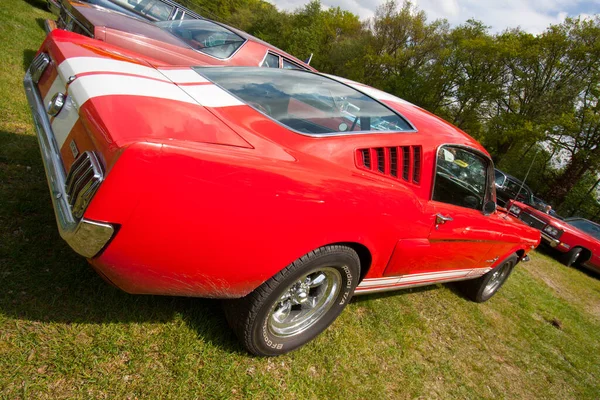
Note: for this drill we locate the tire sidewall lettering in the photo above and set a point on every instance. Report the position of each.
(343, 297)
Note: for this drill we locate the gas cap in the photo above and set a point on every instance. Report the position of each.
(56, 104)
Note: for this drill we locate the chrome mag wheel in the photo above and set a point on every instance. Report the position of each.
(498, 277)
(304, 302)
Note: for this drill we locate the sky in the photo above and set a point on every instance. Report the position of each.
(531, 15)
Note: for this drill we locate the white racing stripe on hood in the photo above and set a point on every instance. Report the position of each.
(80, 65)
(187, 75)
(90, 86)
(211, 96)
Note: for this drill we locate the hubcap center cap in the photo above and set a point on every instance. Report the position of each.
(300, 293)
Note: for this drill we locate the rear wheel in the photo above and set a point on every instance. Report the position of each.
(571, 257)
(297, 304)
(484, 287)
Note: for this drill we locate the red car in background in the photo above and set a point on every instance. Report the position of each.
(577, 239)
(188, 42)
(283, 191)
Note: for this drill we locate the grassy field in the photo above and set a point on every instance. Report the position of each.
(64, 333)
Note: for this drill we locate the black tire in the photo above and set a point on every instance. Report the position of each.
(484, 287)
(260, 321)
(571, 257)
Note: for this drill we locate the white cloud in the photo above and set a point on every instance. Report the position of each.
(533, 16)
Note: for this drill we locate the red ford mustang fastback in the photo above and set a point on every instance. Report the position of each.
(283, 191)
(577, 239)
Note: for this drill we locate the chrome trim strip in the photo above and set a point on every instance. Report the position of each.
(549, 239)
(413, 280)
(75, 20)
(84, 236)
(368, 290)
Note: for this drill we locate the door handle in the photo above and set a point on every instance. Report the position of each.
(441, 219)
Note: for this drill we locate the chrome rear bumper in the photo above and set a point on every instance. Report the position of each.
(84, 236)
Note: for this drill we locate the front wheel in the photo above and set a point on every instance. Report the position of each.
(297, 304)
(484, 287)
(571, 257)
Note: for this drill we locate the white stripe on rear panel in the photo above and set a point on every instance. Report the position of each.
(187, 75)
(90, 86)
(79, 65)
(211, 96)
(63, 123)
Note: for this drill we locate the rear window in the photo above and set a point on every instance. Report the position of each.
(307, 102)
(205, 36)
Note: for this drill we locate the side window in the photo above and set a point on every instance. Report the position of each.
(271, 61)
(460, 177)
(155, 10)
(290, 65)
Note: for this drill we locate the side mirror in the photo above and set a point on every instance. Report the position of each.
(489, 207)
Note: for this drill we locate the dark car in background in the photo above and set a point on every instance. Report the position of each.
(510, 188)
(148, 10)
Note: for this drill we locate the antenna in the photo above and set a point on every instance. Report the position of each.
(309, 59)
(526, 175)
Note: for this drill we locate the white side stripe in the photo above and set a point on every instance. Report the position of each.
(211, 96)
(415, 278)
(90, 86)
(65, 120)
(183, 75)
(79, 65)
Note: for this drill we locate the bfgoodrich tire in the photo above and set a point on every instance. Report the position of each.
(484, 287)
(297, 304)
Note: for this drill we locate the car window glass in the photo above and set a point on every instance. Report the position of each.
(586, 226)
(270, 61)
(460, 177)
(290, 65)
(518, 191)
(306, 102)
(499, 178)
(205, 36)
(155, 10)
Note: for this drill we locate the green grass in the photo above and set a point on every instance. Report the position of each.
(64, 333)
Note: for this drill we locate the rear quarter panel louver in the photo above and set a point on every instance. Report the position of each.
(403, 163)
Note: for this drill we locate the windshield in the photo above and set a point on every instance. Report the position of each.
(307, 102)
(205, 36)
(588, 227)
